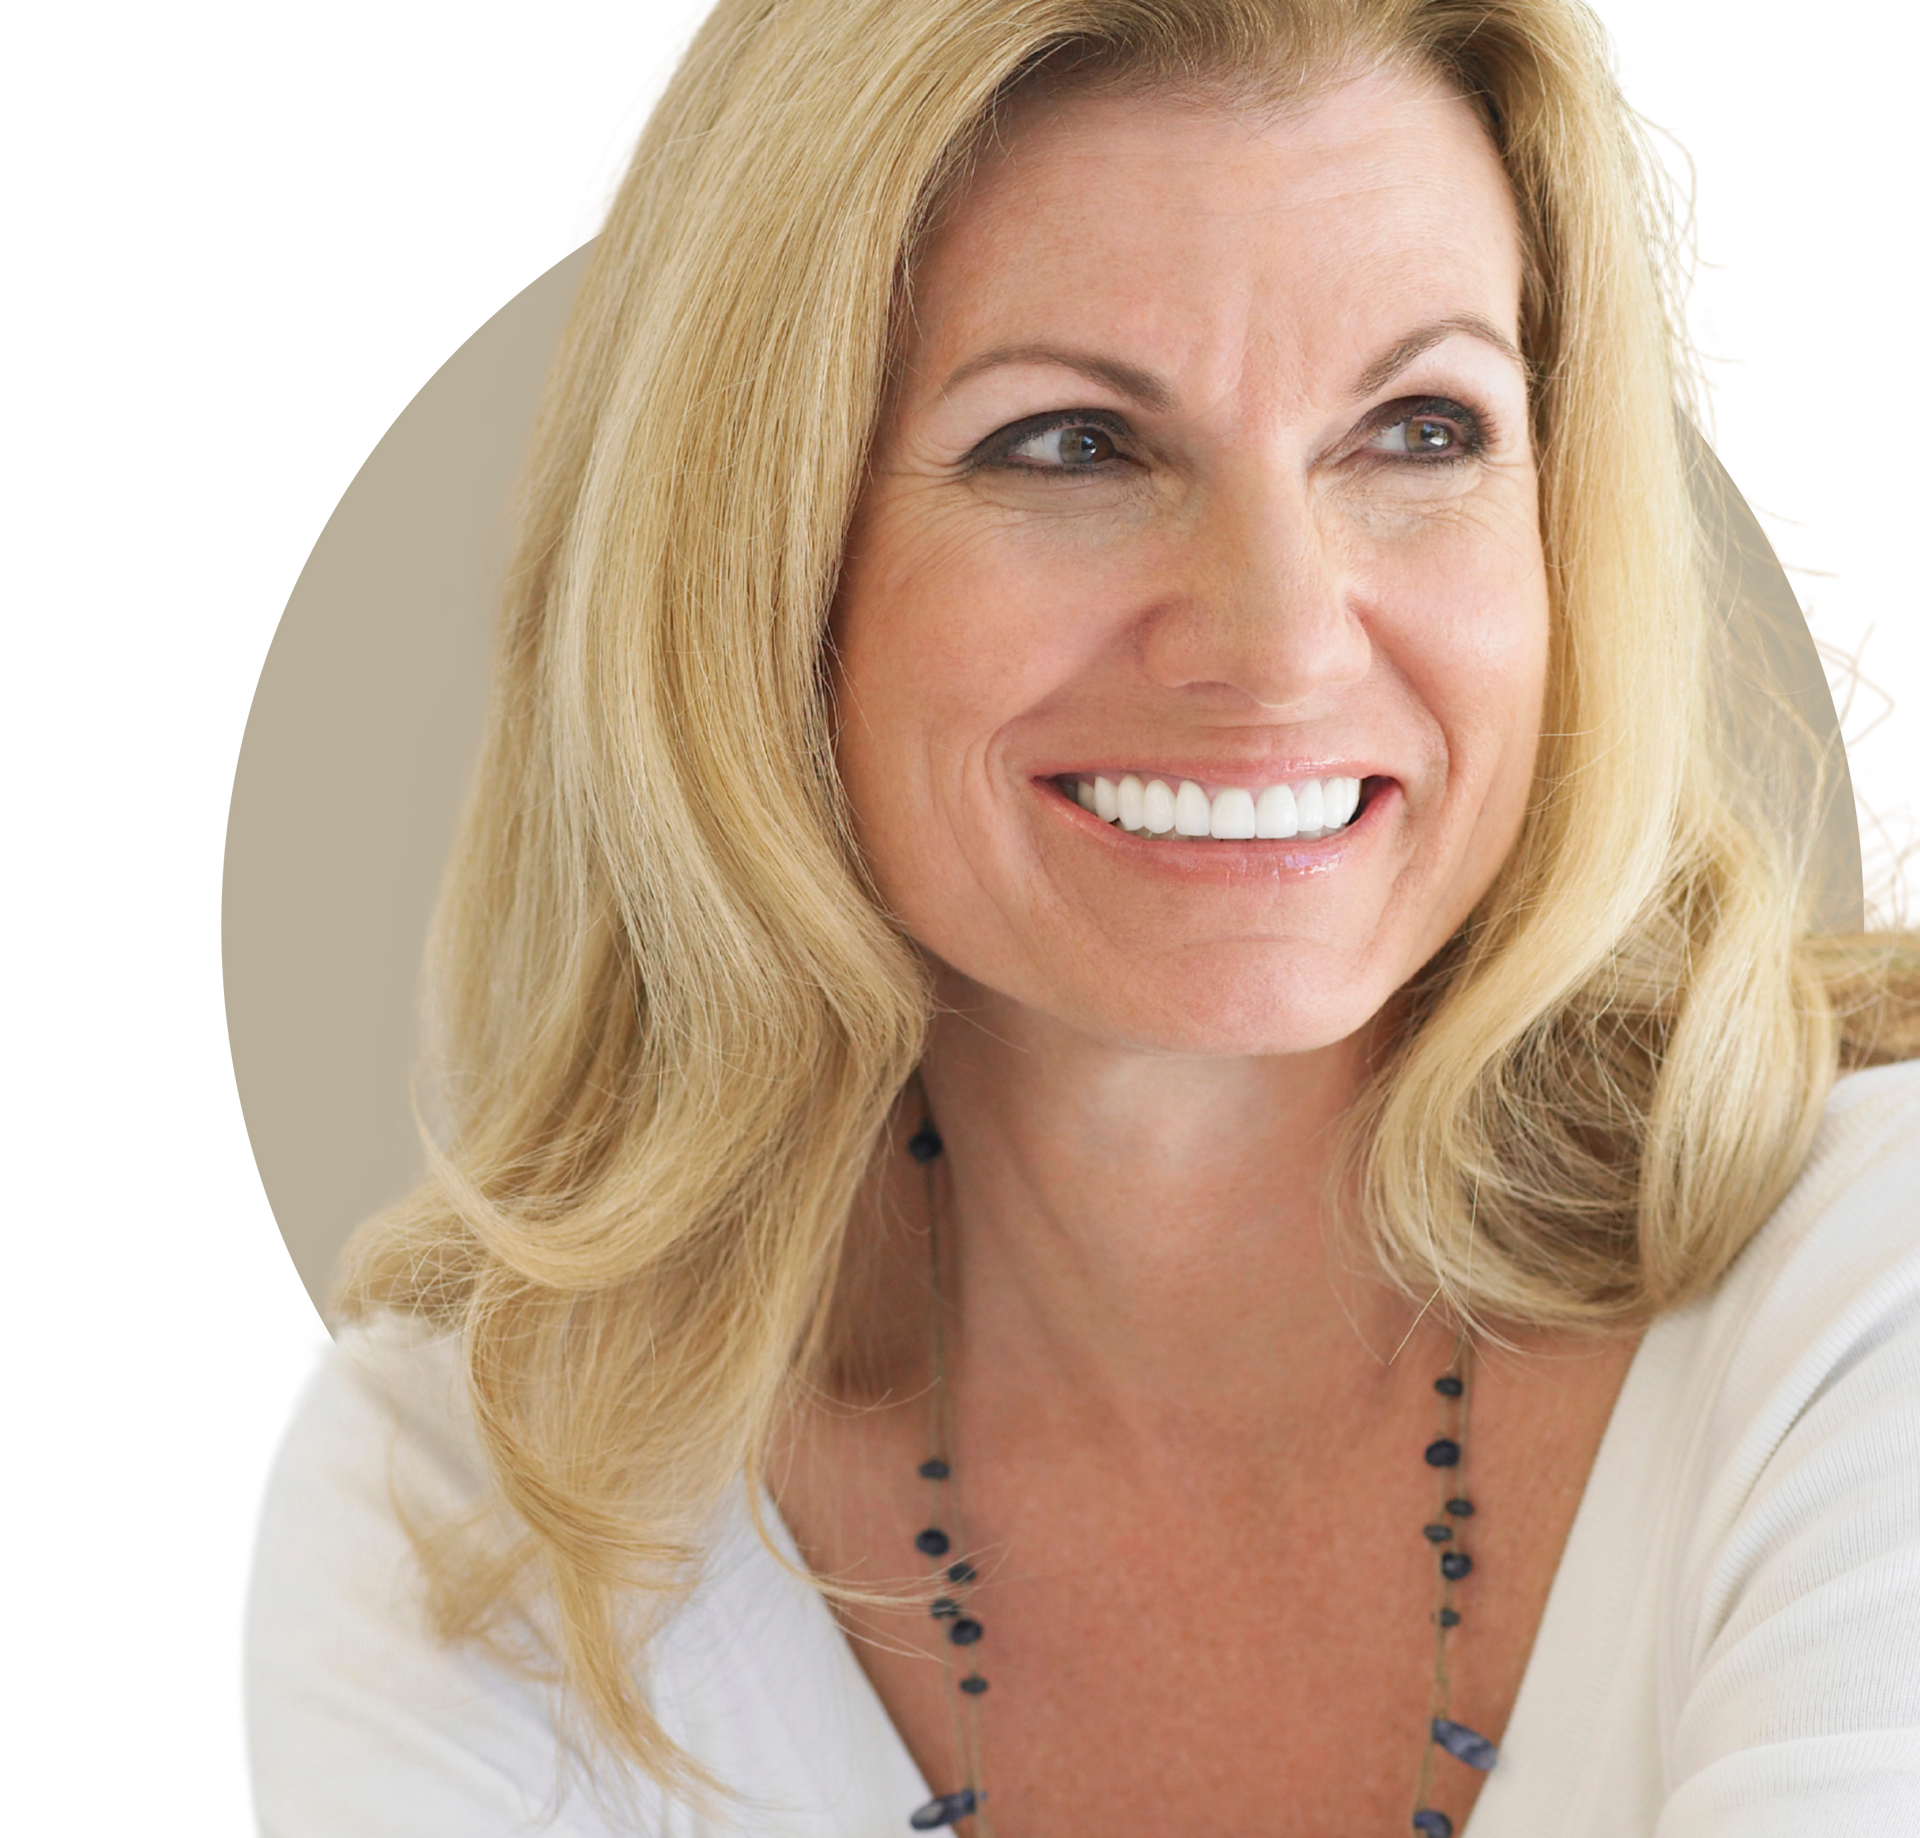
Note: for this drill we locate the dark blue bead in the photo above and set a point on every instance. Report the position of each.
(1444, 1453)
(924, 1144)
(945, 1809)
(933, 1542)
(1454, 1565)
(961, 1573)
(1433, 1824)
(1448, 1617)
(965, 1631)
(1448, 1387)
(1465, 1744)
(1437, 1534)
(934, 1470)
(1461, 1509)
(973, 1684)
(944, 1608)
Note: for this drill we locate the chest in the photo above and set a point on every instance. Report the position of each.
(1242, 1647)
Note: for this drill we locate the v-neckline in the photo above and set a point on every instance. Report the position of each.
(1600, 1574)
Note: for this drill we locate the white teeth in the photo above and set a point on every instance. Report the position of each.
(1308, 809)
(1311, 804)
(1190, 809)
(1156, 808)
(1275, 814)
(1232, 814)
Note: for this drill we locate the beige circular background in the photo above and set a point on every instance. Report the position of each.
(366, 724)
(364, 730)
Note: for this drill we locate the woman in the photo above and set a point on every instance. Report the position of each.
(1108, 990)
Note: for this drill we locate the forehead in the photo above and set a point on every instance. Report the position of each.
(1198, 236)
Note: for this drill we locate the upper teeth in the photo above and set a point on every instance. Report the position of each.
(1306, 808)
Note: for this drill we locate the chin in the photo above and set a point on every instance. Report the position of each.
(1226, 1015)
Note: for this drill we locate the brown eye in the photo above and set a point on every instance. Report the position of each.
(1068, 448)
(1436, 431)
(1422, 434)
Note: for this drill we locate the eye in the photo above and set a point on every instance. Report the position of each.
(1428, 431)
(1061, 443)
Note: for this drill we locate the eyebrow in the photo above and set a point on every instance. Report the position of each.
(1417, 343)
(1138, 385)
(1144, 388)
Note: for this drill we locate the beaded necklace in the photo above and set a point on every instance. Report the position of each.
(943, 1542)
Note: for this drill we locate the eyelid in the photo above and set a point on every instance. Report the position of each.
(1002, 441)
(1478, 427)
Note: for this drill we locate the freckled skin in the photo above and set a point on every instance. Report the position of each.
(1187, 1421)
(1240, 583)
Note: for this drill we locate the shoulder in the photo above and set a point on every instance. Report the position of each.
(1793, 1600)
(1821, 1309)
(364, 1724)
(1861, 1178)
(360, 1720)
(1837, 1267)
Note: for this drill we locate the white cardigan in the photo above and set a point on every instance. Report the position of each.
(1731, 1648)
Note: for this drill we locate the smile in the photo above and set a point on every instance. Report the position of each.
(1147, 806)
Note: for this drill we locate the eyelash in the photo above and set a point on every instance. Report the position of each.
(994, 451)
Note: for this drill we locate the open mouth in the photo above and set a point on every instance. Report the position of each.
(1144, 805)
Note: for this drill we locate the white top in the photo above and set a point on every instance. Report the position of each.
(1731, 1648)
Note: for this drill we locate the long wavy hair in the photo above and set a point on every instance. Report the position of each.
(672, 1016)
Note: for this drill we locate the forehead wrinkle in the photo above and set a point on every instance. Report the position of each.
(1257, 340)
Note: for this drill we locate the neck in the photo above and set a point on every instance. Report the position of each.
(1151, 1230)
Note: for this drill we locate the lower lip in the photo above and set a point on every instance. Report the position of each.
(1257, 858)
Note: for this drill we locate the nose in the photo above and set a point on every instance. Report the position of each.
(1260, 609)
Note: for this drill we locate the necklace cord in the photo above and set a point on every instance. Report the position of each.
(952, 1582)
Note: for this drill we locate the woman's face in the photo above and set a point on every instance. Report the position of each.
(1208, 468)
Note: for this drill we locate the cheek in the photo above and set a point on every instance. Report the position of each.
(1462, 615)
(945, 640)
(952, 631)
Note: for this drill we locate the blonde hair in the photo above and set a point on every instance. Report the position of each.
(674, 1020)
